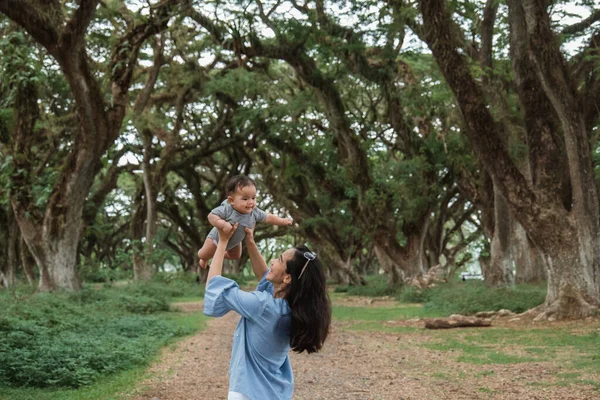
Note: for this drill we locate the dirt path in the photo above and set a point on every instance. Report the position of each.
(353, 365)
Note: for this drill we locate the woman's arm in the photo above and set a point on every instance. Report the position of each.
(259, 266)
(216, 266)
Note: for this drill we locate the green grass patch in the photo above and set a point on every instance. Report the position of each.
(473, 296)
(106, 388)
(376, 286)
(398, 312)
(477, 354)
(580, 352)
(61, 340)
(454, 298)
(188, 299)
(375, 318)
(595, 384)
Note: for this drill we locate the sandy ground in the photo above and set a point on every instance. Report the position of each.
(353, 365)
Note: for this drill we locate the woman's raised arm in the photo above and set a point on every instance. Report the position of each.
(259, 266)
(216, 266)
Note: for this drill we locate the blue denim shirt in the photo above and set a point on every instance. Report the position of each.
(260, 366)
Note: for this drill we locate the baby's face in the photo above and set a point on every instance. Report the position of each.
(244, 199)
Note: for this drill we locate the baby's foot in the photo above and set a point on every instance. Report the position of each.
(203, 263)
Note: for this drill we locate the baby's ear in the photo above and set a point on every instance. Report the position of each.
(230, 199)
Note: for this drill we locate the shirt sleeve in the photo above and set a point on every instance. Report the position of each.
(264, 285)
(223, 211)
(259, 214)
(223, 295)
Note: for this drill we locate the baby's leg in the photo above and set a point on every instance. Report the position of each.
(207, 252)
(234, 253)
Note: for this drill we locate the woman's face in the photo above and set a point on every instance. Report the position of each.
(278, 275)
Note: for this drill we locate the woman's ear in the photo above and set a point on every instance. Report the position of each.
(287, 279)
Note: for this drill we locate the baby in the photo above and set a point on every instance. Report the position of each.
(240, 207)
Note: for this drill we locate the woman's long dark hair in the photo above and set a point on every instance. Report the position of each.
(309, 302)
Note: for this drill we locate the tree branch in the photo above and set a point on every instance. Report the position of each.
(582, 25)
(33, 21)
(157, 62)
(74, 33)
(487, 33)
(480, 125)
(561, 89)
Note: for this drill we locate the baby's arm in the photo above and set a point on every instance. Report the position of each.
(275, 220)
(219, 223)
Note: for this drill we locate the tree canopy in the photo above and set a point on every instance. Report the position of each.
(400, 136)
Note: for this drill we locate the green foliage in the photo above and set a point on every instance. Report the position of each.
(19, 65)
(376, 286)
(72, 339)
(454, 298)
(102, 275)
(411, 294)
(473, 296)
(241, 279)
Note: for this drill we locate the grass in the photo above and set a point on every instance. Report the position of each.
(189, 299)
(398, 312)
(454, 298)
(87, 344)
(109, 387)
(576, 347)
(376, 286)
(106, 388)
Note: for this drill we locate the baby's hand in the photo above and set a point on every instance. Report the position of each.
(227, 227)
(289, 221)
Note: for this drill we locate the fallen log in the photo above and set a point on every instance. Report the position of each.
(456, 322)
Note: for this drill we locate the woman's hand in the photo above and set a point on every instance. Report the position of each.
(227, 227)
(249, 235)
(227, 232)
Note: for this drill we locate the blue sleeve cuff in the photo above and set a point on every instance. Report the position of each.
(214, 300)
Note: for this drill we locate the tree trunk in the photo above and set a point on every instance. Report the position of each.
(11, 250)
(344, 270)
(392, 268)
(142, 271)
(500, 270)
(399, 263)
(573, 289)
(567, 233)
(55, 252)
(530, 267)
(52, 235)
(27, 262)
(484, 263)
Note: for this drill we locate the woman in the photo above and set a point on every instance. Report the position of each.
(289, 309)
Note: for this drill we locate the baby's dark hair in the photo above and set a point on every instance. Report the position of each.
(239, 181)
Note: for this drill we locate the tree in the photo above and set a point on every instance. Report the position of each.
(327, 60)
(53, 234)
(563, 224)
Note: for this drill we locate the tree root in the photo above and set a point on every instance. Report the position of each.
(562, 309)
